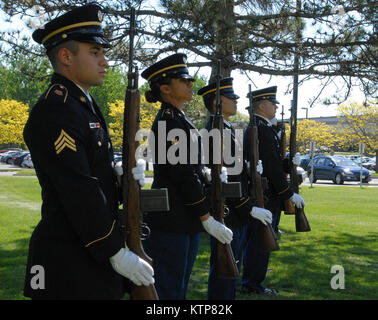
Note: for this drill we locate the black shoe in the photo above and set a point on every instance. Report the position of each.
(260, 290)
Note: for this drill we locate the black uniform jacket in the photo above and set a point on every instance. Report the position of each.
(184, 180)
(272, 161)
(239, 208)
(78, 231)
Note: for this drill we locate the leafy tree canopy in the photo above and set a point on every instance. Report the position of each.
(333, 38)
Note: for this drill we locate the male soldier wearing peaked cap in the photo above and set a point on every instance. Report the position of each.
(242, 209)
(264, 103)
(77, 247)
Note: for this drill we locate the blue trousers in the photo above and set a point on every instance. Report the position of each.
(224, 289)
(173, 257)
(256, 260)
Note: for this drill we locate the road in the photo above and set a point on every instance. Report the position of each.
(322, 183)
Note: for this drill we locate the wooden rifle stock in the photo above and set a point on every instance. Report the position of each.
(301, 222)
(131, 213)
(225, 265)
(268, 237)
(288, 204)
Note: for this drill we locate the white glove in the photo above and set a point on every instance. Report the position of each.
(119, 172)
(264, 215)
(131, 266)
(207, 172)
(297, 159)
(138, 172)
(259, 167)
(223, 174)
(218, 230)
(297, 200)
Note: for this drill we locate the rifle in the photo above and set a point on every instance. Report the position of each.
(289, 206)
(225, 264)
(268, 237)
(301, 222)
(131, 219)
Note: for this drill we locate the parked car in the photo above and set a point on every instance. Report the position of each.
(117, 158)
(17, 159)
(4, 154)
(7, 155)
(337, 169)
(368, 163)
(301, 174)
(305, 160)
(12, 159)
(27, 162)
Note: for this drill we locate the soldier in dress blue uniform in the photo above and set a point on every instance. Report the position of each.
(256, 260)
(241, 210)
(174, 238)
(78, 242)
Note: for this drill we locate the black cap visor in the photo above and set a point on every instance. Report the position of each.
(229, 93)
(182, 73)
(232, 96)
(87, 35)
(275, 101)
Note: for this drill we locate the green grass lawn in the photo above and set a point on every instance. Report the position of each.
(344, 222)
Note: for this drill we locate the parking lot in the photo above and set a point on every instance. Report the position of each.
(328, 183)
(320, 183)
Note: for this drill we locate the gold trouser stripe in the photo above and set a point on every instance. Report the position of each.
(164, 69)
(71, 26)
(215, 89)
(111, 230)
(197, 202)
(283, 191)
(238, 206)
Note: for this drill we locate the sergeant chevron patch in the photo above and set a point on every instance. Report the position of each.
(64, 140)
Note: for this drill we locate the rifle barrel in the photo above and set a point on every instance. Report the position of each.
(131, 213)
(268, 238)
(225, 265)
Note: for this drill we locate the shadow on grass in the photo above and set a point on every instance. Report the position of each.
(301, 270)
(13, 257)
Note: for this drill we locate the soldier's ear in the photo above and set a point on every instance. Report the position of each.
(165, 89)
(65, 56)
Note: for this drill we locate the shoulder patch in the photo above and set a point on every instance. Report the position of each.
(57, 91)
(167, 113)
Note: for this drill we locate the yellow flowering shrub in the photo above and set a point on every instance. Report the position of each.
(13, 116)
